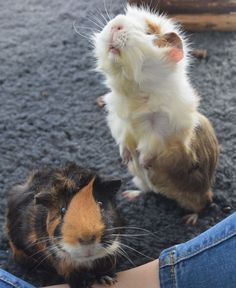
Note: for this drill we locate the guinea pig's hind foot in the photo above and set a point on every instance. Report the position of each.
(107, 280)
(131, 194)
(191, 219)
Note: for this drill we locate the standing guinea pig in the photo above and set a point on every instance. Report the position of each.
(65, 219)
(170, 147)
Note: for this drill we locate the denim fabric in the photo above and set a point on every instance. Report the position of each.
(207, 261)
(8, 280)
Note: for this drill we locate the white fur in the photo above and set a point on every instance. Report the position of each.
(77, 253)
(151, 97)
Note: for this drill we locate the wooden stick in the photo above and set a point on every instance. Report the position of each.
(197, 15)
(189, 6)
(199, 53)
(200, 22)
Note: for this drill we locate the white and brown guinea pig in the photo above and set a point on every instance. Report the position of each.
(65, 218)
(170, 147)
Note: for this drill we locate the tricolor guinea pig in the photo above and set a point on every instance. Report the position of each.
(65, 218)
(170, 147)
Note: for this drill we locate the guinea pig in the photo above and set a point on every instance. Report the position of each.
(65, 218)
(168, 145)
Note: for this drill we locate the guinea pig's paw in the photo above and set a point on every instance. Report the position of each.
(146, 161)
(107, 280)
(126, 155)
(100, 101)
(131, 194)
(191, 219)
(87, 283)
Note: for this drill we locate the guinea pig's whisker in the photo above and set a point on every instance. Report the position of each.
(109, 255)
(95, 17)
(110, 243)
(131, 235)
(106, 21)
(130, 227)
(44, 248)
(111, 6)
(103, 17)
(84, 36)
(42, 240)
(96, 21)
(39, 241)
(122, 252)
(104, 2)
(133, 249)
(52, 250)
(39, 251)
(89, 28)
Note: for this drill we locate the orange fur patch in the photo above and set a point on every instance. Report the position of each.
(153, 27)
(83, 218)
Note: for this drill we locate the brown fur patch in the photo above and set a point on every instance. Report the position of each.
(83, 217)
(36, 242)
(52, 221)
(64, 181)
(184, 171)
(169, 39)
(17, 253)
(33, 237)
(153, 28)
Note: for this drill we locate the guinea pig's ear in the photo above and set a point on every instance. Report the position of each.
(43, 198)
(107, 187)
(173, 41)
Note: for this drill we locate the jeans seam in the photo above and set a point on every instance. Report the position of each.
(172, 269)
(206, 247)
(6, 280)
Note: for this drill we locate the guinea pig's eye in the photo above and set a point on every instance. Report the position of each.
(148, 33)
(63, 211)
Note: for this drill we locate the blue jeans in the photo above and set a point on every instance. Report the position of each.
(8, 280)
(207, 261)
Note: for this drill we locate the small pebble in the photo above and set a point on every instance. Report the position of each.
(227, 209)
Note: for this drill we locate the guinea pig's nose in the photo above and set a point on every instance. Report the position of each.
(85, 240)
(116, 27)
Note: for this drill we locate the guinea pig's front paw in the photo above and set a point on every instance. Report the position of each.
(107, 279)
(131, 195)
(126, 155)
(88, 282)
(146, 161)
